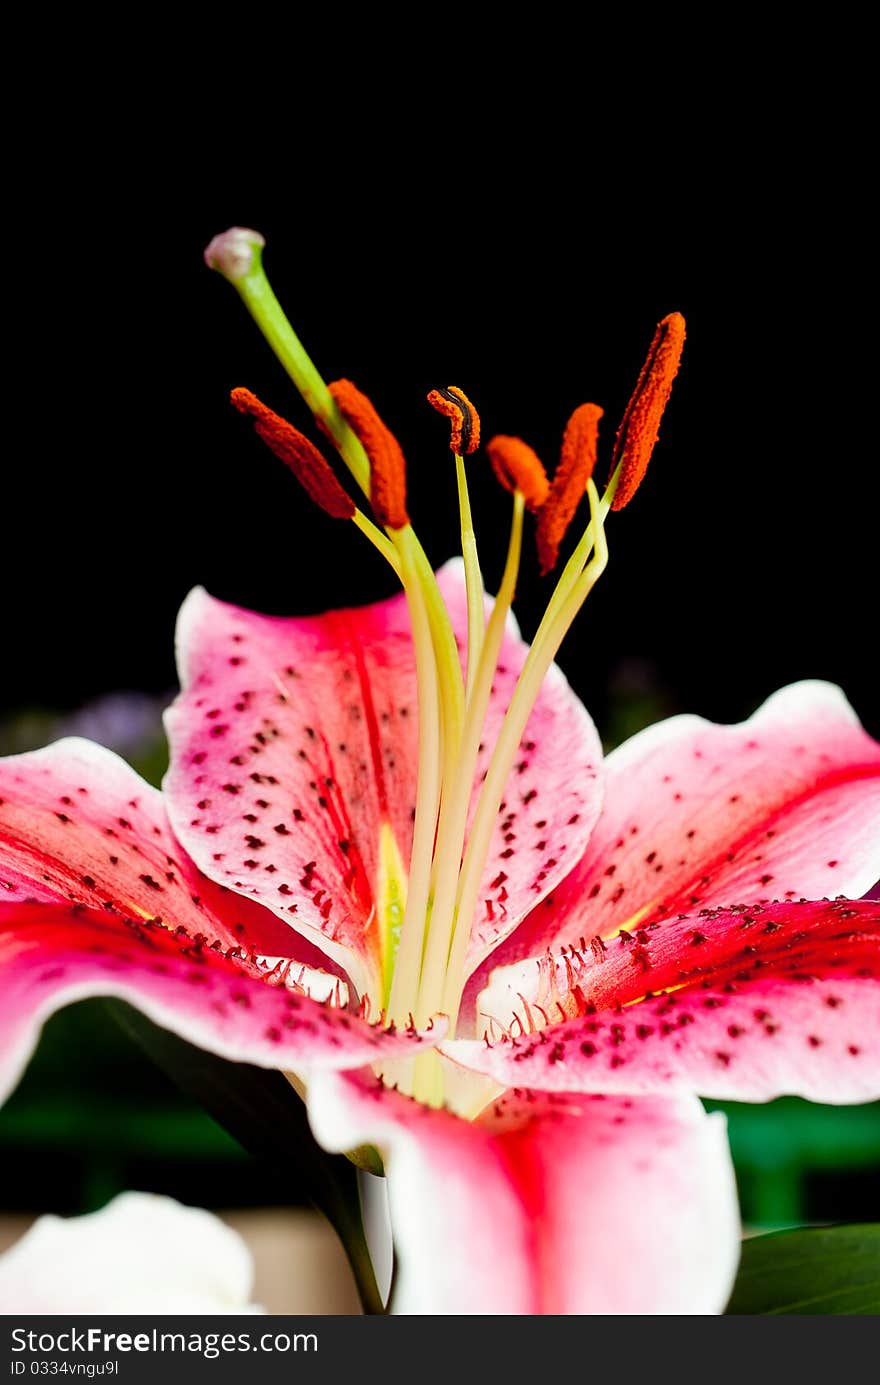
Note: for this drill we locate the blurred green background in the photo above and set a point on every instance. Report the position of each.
(94, 1116)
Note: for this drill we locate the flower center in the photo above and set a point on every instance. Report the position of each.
(425, 910)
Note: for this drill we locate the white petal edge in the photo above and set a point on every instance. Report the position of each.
(140, 1254)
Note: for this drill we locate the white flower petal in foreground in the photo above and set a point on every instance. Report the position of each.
(139, 1254)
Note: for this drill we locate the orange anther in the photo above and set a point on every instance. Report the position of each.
(576, 462)
(518, 468)
(387, 464)
(309, 467)
(461, 413)
(639, 426)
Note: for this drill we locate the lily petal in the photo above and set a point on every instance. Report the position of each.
(78, 825)
(785, 805)
(294, 755)
(53, 955)
(293, 744)
(139, 1254)
(547, 1205)
(741, 1004)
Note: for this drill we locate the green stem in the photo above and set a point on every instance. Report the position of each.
(364, 1275)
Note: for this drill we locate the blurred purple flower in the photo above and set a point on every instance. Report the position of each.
(123, 721)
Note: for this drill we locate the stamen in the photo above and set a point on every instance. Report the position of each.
(461, 413)
(309, 467)
(404, 978)
(528, 687)
(640, 424)
(387, 464)
(473, 577)
(518, 468)
(458, 785)
(577, 460)
(454, 404)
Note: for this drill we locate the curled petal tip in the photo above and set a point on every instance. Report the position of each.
(235, 253)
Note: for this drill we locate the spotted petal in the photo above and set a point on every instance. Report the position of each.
(745, 1004)
(78, 825)
(785, 805)
(293, 765)
(547, 1204)
(247, 1011)
(97, 898)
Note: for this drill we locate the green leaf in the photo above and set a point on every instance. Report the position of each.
(834, 1269)
(260, 1109)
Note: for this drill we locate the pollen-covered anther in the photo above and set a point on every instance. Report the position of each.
(309, 467)
(387, 463)
(465, 421)
(577, 460)
(640, 424)
(518, 468)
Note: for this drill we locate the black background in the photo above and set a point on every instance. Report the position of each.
(516, 269)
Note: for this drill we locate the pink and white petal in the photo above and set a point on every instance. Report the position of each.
(139, 1254)
(294, 743)
(546, 1204)
(785, 805)
(745, 1004)
(52, 955)
(77, 824)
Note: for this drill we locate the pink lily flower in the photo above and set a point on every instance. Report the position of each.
(390, 862)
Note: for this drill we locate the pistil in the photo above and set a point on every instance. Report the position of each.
(237, 254)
